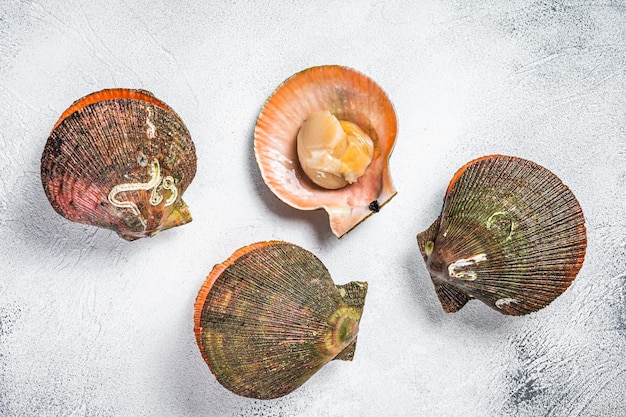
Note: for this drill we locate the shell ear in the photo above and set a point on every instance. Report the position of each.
(179, 215)
(353, 293)
(427, 236)
(451, 299)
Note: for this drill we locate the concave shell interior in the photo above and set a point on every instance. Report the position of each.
(120, 159)
(348, 95)
(510, 234)
(270, 316)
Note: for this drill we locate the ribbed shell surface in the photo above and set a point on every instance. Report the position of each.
(510, 234)
(265, 319)
(118, 141)
(348, 95)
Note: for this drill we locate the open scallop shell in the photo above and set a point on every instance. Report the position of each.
(348, 95)
(270, 316)
(510, 234)
(120, 159)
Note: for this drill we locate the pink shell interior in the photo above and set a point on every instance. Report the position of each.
(349, 95)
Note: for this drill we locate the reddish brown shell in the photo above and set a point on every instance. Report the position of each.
(348, 95)
(270, 316)
(510, 234)
(120, 159)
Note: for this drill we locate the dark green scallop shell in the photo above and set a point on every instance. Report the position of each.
(270, 317)
(510, 234)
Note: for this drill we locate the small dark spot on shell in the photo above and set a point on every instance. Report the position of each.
(374, 206)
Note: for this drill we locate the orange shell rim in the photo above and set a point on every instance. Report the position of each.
(464, 168)
(207, 285)
(112, 94)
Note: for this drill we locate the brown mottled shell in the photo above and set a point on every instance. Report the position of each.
(348, 95)
(511, 234)
(120, 159)
(270, 316)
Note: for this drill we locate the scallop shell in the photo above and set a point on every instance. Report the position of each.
(510, 234)
(120, 159)
(270, 316)
(348, 95)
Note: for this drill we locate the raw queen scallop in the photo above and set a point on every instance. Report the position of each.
(270, 317)
(510, 234)
(120, 159)
(323, 140)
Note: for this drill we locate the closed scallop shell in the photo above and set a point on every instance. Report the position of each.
(348, 95)
(510, 234)
(270, 316)
(120, 159)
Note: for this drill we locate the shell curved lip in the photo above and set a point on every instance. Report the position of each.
(459, 173)
(349, 95)
(208, 284)
(113, 94)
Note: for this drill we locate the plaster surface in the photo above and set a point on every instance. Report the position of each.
(92, 325)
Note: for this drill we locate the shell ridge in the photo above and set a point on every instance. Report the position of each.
(459, 173)
(451, 298)
(355, 293)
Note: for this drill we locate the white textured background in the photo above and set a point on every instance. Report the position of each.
(91, 325)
